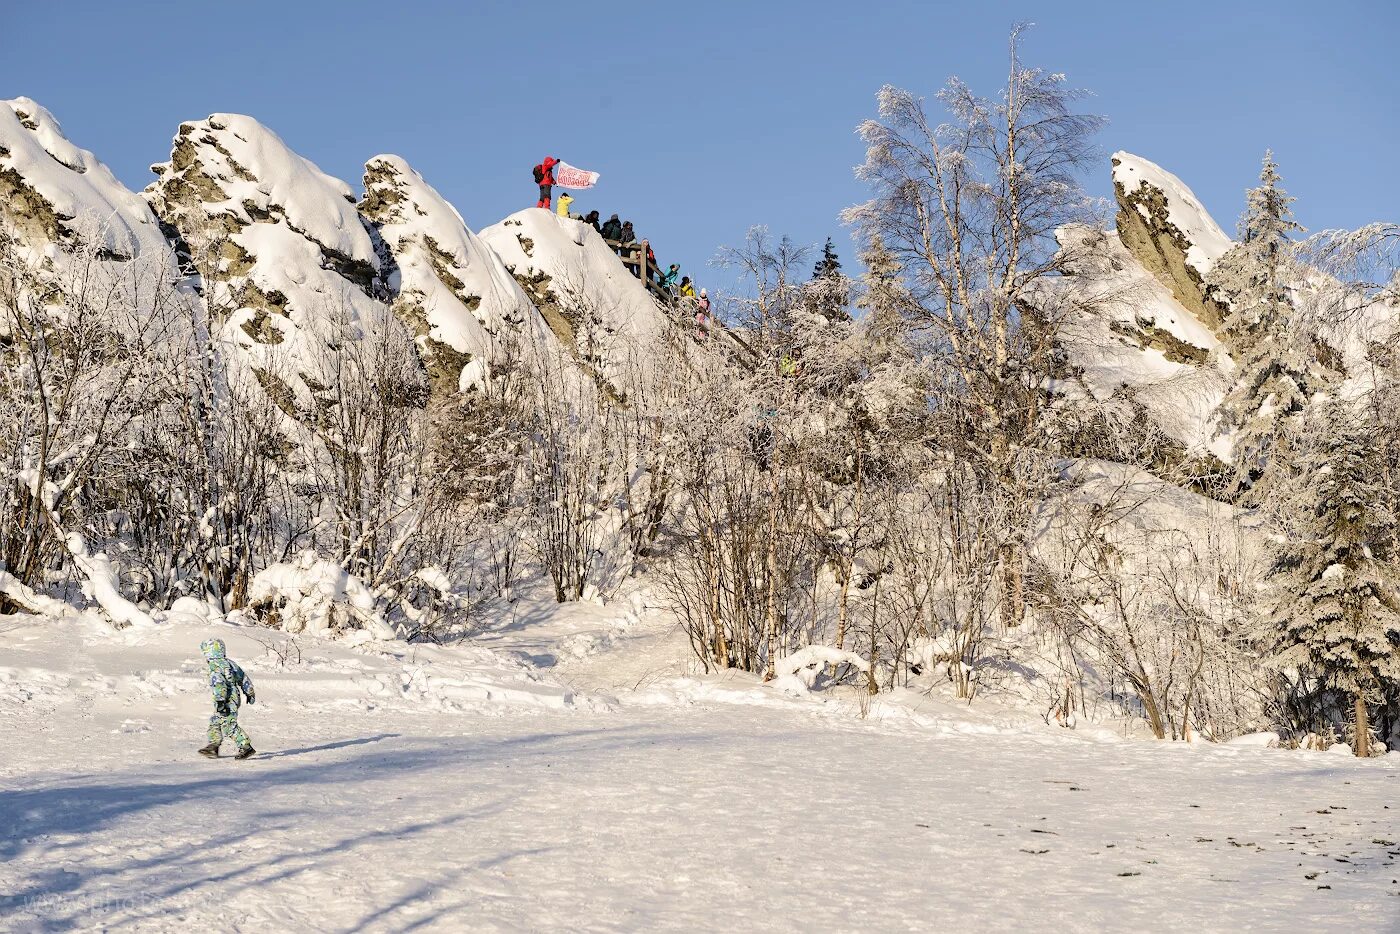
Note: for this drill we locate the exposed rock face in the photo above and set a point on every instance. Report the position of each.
(591, 302)
(1128, 339)
(55, 197)
(290, 269)
(1169, 233)
(465, 310)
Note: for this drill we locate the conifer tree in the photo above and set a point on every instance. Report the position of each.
(884, 297)
(1275, 372)
(1337, 623)
(828, 292)
(829, 265)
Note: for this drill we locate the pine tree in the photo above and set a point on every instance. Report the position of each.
(829, 265)
(883, 296)
(1338, 619)
(828, 292)
(1275, 371)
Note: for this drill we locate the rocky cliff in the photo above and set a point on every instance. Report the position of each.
(290, 263)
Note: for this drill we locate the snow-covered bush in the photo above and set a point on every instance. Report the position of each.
(314, 594)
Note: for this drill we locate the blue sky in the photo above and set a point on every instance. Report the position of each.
(708, 117)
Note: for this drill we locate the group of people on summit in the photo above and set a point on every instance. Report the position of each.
(621, 235)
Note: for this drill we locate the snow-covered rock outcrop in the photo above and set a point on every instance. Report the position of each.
(451, 290)
(1125, 336)
(589, 299)
(1166, 229)
(289, 267)
(1141, 326)
(55, 198)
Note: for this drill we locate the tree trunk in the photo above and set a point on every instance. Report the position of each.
(1013, 585)
(1362, 745)
(772, 564)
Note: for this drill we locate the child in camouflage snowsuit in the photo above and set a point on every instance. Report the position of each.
(227, 682)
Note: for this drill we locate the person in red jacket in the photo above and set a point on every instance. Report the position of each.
(544, 175)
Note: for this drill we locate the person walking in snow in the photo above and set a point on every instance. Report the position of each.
(668, 278)
(612, 229)
(687, 287)
(229, 684)
(565, 200)
(592, 218)
(628, 235)
(544, 177)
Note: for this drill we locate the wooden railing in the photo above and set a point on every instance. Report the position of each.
(633, 255)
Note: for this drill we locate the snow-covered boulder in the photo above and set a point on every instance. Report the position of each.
(806, 669)
(290, 268)
(311, 593)
(453, 292)
(1165, 228)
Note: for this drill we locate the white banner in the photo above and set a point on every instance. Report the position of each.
(566, 176)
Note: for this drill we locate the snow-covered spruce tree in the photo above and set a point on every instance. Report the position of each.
(1336, 626)
(1276, 372)
(968, 208)
(828, 292)
(883, 299)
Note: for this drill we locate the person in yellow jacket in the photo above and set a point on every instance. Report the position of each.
(565, 200)
(687, 288)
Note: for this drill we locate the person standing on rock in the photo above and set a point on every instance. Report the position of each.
(544, 177)
(565, 200)
(702, 315)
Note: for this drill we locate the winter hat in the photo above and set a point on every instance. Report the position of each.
(704, 294)
(212, 648)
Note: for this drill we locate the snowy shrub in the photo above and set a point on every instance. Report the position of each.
(313, 594)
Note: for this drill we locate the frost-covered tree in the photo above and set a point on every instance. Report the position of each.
(883, 297)
(968, 209)
(1337, 621)
(1275, 369)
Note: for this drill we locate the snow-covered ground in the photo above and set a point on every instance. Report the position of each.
(568, 773)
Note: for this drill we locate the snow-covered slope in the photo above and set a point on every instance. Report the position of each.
(588, 297)
(445, 789)
(55, 196)
(289, 266)
(451, 289)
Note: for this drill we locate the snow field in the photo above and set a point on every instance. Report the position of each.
(383, 800)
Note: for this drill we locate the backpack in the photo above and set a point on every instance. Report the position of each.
(539, 174)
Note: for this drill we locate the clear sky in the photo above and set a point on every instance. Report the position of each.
(708, 117)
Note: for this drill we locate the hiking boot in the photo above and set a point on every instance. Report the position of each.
(245, 752)
(211, 751)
